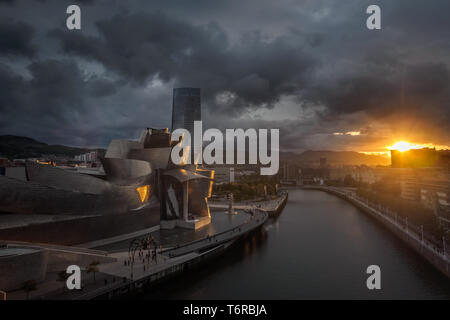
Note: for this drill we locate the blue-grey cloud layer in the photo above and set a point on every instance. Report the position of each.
(116, 75)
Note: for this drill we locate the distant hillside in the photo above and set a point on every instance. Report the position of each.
(336, 157)
(16, 147)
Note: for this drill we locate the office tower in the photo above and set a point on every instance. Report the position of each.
(186, 108)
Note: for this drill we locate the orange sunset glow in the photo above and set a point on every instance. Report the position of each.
(404, 146)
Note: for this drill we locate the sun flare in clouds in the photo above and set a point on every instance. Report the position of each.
(401, 146)
(405, 146)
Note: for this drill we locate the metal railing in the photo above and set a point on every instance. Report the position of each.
(257, 218)
(438, 246)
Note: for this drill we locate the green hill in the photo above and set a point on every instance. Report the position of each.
(17, 147)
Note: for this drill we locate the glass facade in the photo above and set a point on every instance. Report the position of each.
(186, 108)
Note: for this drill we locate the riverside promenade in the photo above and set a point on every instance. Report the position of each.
(117, 278)
(178, 251)
(438, 257)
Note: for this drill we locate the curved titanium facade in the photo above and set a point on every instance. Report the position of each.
(123, 169)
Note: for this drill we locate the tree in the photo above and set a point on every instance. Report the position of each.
(237, 196)
(29, 286)
(349, 181)
(93, 268)
(260, 189)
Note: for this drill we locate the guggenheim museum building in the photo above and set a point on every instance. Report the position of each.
(141, 188)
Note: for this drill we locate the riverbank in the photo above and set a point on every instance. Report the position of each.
(117, 278)
(318, 248)
(272, 207)
(438, 258)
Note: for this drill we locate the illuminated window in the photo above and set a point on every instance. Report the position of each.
(144, 193)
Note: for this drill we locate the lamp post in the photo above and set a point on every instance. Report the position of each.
(231, 203)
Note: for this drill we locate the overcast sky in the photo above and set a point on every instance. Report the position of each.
(308, 67)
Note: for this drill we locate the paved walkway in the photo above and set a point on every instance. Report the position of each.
(220, 221)
(258, 218)
(136, 270)
(117, 274)
(122, 237)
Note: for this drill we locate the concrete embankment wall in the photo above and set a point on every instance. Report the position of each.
(280, 206)
(431, 256)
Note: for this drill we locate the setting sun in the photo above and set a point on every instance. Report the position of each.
(401, 146)
(406, 146)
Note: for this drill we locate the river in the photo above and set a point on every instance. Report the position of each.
(318, 248)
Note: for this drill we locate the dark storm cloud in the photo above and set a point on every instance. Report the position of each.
(422, 90)
(142, 46)
(9, 2)
(291, 57)
(16, 39)
(12, 87)
(50, 100)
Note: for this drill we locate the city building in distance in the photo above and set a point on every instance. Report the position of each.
(186, 108)
(417, 158)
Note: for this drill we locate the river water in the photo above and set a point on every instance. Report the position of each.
(318, 248)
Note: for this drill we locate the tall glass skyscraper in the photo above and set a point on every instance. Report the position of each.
(186, 108)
